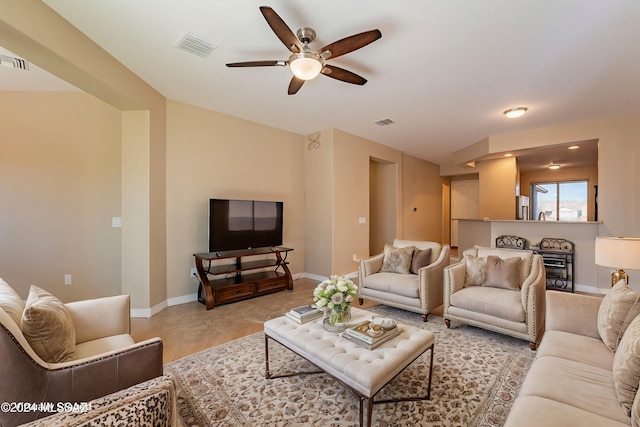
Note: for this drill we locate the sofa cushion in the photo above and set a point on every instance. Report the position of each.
(502, 272)
(475, 270)
(421, 258)
(626, 366)
(536, 411)
(576, 384)
(618, 308)
(48, 327)
(102, 345)
(397, 260)
(11, 302)
(579, 348)
(401, 284)
(502, 303)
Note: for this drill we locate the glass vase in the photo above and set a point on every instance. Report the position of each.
(340, 316)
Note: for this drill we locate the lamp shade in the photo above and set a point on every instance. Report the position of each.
(305, 66)
(618, 252)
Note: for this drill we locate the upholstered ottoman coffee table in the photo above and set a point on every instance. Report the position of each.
(364, 372)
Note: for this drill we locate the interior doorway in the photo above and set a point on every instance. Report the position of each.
(383, 204)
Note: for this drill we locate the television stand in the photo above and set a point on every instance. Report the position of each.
(271, 275)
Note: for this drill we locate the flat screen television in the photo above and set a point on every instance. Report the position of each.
(244, 224)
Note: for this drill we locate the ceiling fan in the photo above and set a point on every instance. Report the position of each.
(306, 63)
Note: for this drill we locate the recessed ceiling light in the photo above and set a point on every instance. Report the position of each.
(574, 147)
(554, 166)
(515, 112)
(508, 155)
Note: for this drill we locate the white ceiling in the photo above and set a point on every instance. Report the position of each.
(444, 71)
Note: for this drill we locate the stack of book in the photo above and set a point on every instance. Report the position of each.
(304, 314)
(360, 335)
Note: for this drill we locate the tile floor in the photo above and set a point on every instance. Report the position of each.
(189, 328)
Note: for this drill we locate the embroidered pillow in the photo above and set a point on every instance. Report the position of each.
(421, 258)
(48, 326)
(626, 366)
(502, 273)
(397, 260)
(617, 309)
(475, 274)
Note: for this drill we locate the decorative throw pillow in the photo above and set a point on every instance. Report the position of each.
(11, 302)
(397, 260)
(421, 258)
(502, 273)
(48, 326)
(626, 366)
(476, 267)
(617, 309)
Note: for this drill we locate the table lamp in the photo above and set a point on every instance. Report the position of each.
(618, 253)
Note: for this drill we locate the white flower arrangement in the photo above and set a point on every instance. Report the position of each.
(336, 293)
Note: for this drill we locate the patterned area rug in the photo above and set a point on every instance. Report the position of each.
(476, 377)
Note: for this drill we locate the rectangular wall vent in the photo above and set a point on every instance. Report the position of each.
(384, 122)
(10, 61)
(194, 44)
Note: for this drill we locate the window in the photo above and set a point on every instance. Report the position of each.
(560, 201)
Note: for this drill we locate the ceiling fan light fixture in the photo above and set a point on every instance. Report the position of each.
(305, 65)
(513, 113)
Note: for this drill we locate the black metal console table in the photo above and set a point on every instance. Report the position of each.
(559, 262)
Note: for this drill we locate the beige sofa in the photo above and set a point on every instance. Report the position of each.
(516, 310)
(573, 381)
(419, 293)
(104, 358)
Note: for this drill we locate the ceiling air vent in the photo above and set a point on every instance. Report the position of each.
(10, 61)
(194, 44)
(384, 122)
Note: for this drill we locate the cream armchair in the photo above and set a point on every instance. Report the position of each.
(419, 292)
(105, 359)
(490, 290)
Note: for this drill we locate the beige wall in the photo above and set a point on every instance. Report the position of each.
(351, 155)
(497, 188)
(35, 32)
(318, 204)
(59, 188)
(212, 155)
(349, 166)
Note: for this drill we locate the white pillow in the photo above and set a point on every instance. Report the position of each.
(476, 270)
(618, 308)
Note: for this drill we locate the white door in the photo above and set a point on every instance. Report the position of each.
(464, 204)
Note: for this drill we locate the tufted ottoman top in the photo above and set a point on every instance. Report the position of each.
(366, 371)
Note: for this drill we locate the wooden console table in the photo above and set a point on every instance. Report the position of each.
(235, 285)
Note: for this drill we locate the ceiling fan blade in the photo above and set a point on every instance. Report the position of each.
(295, 85)
(343, 75)
(349, 44)
(257, 64)
(281, 29)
